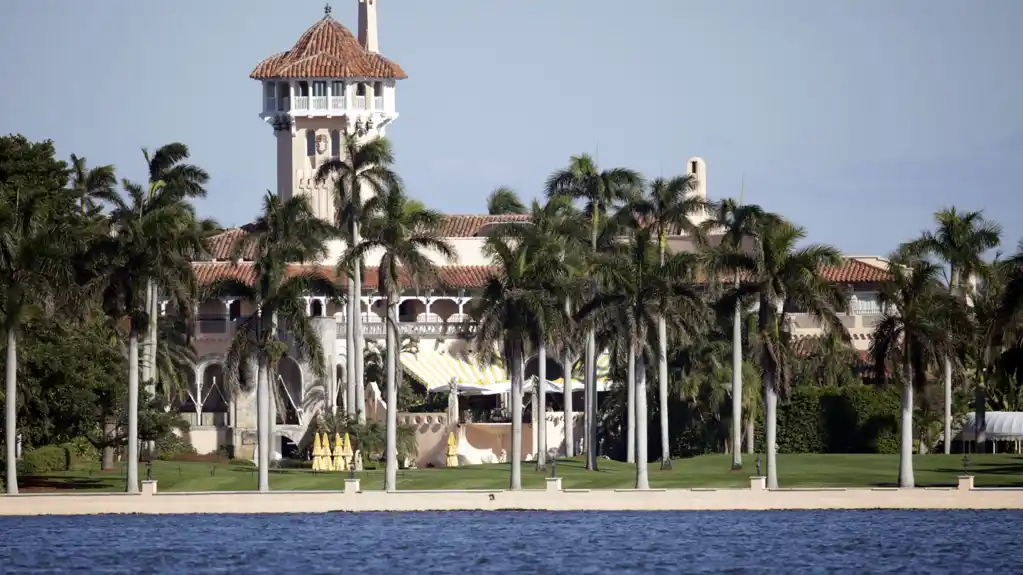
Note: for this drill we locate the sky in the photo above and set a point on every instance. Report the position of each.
(855, 119)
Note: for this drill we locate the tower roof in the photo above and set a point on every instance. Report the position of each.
(327, 50)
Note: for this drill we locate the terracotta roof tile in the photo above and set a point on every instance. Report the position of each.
(470, 225)
(327, 50)
(223, 243)
(455, 277)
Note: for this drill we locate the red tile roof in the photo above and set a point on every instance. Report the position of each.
(327, 50)
(455, 277)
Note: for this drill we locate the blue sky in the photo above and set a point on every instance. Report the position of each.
(857, 119)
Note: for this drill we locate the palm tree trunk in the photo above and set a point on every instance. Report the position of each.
(351, 310)
(906, 478)
(662, 389)
(133, 410)
(391, 469)
(541, 410)
(591, 401)
(360, 350)
(630, 411)
(771, 429)
(980, 414)
(153, 305)
(642, 475)
(515, 482)
(566, 364)
(263, 422)
(11, 411)
(948, 405)
(737, 386)
(750, 431)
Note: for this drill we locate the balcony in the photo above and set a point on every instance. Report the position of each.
(301, 103)
(378, 102)
(375, 330)
(360, 102)
(214, 324)
(337, 102)
(205, 419)
(319, 102)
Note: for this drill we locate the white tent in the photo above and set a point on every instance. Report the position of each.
(474, 388)
(998, 426)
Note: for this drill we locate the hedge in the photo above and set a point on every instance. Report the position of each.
(850, 419)
(45, 459)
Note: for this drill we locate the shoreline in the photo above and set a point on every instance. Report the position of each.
(755, 498)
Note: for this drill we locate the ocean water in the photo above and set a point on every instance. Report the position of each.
(480, 543)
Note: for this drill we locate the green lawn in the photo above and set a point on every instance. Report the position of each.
(806, 470)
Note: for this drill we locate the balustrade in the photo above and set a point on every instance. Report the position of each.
(301, 102)
(375, 330)
(337, 102)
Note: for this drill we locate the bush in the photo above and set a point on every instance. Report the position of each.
(81, 450)
(45, 459)
(241, 463)
(172, 447)
(850, 419)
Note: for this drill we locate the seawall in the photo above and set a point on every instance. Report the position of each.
(551, 499)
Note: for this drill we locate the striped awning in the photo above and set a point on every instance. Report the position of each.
(435, 370)
(603, 375)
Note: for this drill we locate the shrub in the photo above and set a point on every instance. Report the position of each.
(80, 450)
(45, 459)
(172, 447)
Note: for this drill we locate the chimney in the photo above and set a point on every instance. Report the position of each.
(368, 25)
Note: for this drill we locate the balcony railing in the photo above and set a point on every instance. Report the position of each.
(301, 102)
(319, 102)
(375, 330)
(378, 102)
(360, 102)
(337, 102)
(213, 324)
(205, 419)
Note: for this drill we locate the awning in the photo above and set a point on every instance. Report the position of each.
(998, 426)
(603, 376)
(436, 370)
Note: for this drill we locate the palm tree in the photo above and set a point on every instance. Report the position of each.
(918, 325)
(518, 304)
(34, 269)
(187, 181)
(782, 276)
(735, 222)
(668, 207)
(404, 231)
(287, 232)
(634, 290)
(362, 168)
(504, 200)
(91, 186)
(960, 241)
(601, 191)
(154, 236)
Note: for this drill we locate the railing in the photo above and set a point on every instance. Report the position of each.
(360, 102)
(319, 102)
(301, 102)
(213, 324)
(205, 419)
(337, 102)
(378, 102)
(375, 330)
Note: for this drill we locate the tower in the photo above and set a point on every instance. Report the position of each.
(327, 84)
(697, 167)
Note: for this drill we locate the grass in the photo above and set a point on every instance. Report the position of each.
(708, 471)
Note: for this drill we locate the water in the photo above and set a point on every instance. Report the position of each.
(481, 543)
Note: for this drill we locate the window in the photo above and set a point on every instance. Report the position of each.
(692, 167)
(270, 88)
(335, 143)
(310, 143)
(302, 89)
(283, 91)
(337, 88)
(319, 89)
(360, 89)
(378, 89)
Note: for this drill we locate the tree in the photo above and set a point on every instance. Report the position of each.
(286, 232)
(91, 186)
(781, 276)
(634, 290)
(738, 222)
(33, 266)
(960, 241)
(362, 168)
(404, 231)
(519, 302)
(668, 207)
(917, 327)
(601, 191)
(153, 237)
(504, 201)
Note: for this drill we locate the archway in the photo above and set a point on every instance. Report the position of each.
(212, 396)
(289, 388)
(554, 369)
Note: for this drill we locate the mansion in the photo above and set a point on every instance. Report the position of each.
(328, 83)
